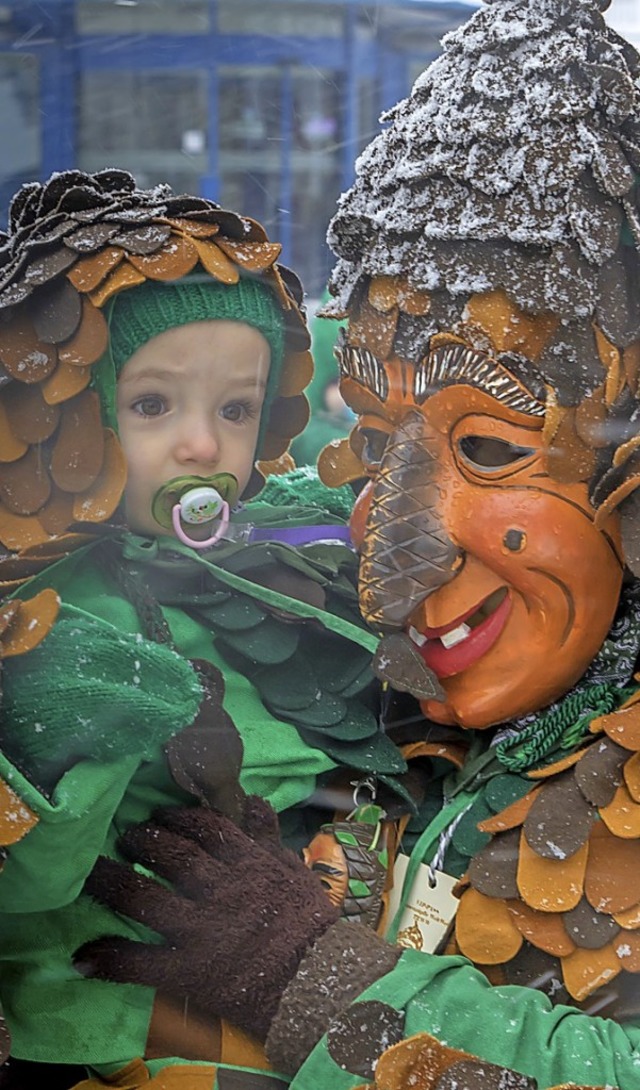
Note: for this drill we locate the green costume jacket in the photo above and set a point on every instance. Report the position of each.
(116, 777)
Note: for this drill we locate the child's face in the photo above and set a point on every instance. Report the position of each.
(189, 402)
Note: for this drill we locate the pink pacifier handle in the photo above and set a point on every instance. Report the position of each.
(180, 534)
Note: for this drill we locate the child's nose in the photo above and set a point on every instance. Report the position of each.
(198, 444)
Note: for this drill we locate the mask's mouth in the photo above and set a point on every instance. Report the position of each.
(457, 646)
(195, 501)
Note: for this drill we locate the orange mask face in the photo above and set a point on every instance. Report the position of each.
(494, 569)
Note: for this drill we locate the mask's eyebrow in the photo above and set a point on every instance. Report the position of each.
(450, 364)
(364, 368)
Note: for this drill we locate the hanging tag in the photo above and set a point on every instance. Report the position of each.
(429, 909)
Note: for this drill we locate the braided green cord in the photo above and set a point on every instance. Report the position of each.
(560, 728)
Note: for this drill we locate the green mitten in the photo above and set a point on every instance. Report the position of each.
(91, 691)
(240, 916)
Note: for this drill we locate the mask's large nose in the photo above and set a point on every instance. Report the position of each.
(406, 553)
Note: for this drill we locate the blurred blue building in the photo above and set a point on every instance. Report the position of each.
(262, 105)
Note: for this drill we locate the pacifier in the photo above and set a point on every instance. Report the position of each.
(195, 501)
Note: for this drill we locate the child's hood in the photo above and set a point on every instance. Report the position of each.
(75, 243)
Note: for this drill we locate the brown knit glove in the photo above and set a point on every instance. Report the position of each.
(242, 912)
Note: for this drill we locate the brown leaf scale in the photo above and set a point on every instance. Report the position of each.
(559, 820)
(448, 751)
(79, 450)
(90, 340)
(627, 949)
(254, 256)
(32, 419)
(374, 330)
(590, 420)
(288, 415)
(31, 623)
(57, 513)
(599, 773)
(337, 464)
(589, 929)
(631, 364)
(493, 871)
(383, 293)
(551, 885)
(584, 971)
(557, 766)
(623, 726)
(16, 819)
(18, 531)
(66, 381)
(216, 262)
(622, 815)
(25, 485)
(511, 817)
(122, 277)
(485, 930)
(612, 875)
(88, 274)
(629, 919)
(192, 227)
(631, 773)
(174, 260)
(101, 500)
(56, 311)
(7, 613)
(544, 930)
(23, 354)
(297, 372)
(11, 448)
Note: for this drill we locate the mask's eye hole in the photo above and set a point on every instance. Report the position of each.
(375, 442)
(485, 453)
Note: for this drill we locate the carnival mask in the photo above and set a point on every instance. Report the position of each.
(470, 546)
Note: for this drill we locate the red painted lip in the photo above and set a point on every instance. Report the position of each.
(447, 661)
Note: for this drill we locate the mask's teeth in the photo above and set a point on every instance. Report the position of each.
(457, 635)
(417, 637)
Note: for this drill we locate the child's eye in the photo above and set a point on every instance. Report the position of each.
(238, 411)
(150, 405)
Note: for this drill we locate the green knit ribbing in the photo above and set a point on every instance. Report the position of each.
(560, 728)
(91, 691)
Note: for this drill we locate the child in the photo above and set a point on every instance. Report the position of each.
(153, 350)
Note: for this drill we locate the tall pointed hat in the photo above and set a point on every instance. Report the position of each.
(505, 186)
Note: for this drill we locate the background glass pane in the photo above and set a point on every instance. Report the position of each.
(152, 123)
(280, 17)
(148, 16)
(280, 134)
(20, 124)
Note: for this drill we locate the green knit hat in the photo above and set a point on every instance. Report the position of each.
(140, 313)
(153, 308)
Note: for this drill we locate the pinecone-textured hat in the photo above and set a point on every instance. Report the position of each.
(504, 191)
(74, 243)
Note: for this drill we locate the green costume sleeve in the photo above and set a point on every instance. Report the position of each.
(90, 690)
(48, 868)
(511, 1025)
(80, 714)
